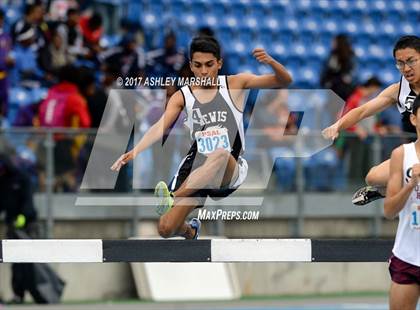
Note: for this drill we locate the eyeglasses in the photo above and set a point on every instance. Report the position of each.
(401, 64)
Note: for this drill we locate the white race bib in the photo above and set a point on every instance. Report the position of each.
(212, 139)
(415, 216)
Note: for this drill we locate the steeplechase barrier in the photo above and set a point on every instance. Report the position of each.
(206, 250)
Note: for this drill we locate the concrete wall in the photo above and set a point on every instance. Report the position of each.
(83, 281)
(115, 281)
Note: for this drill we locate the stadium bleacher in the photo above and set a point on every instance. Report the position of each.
(305, 27)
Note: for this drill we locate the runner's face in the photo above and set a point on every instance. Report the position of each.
(205, 65)
(411, 56)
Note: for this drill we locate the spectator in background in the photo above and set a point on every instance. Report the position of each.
(58, 9)
(133, 28)
(53, 56)
(96, 100)
(337, 74)
(166, 61)
(5, 63)
(65, 107)
(71, 34)
(26, 71)
(359, 149)
(117, 117)
(34, 19)
(95, 96)
(21, 216)
(126, 57)
(92, 30)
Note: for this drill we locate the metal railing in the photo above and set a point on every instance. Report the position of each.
(13, 138)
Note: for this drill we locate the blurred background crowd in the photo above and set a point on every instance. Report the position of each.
(60, 60)
(71, 53)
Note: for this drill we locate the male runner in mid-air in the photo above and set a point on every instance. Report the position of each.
(213, 166)
(403, 199)
(407, 56)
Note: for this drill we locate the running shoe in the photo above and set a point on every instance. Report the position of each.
(368, 194)
(166, 199)
(195, 223)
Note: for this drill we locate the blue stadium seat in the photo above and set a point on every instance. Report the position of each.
(309, 76)
(135, 11)
(211, 20)
(226, 35)
(284, 167)
(325, 39)
(395, 17)
(235, 61)
(259, 10)
(239, 47)
(307, 37)
(405, 28)
(239, 10)
(12, 15)
(179, 7)
(18, 97)
(156, 7)
(270, 24)
(321, 170)
(365, 73)
(363, 39)
(278, 50)
(278, 11)
(413, 6)
(350, 28)
(286, 37)
(230, 21)
(289, 23)
(413, 17)
(397, 6)
(15, 4)
(266, 38)
(245, 68)
(331, 26)
(221, 9)
(198, 8)
(191, 20)
(389, 76)
(108, 41)
(150, 20)
(38, 94)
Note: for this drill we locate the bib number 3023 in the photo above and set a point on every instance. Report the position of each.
(415, 216)
(212, 139)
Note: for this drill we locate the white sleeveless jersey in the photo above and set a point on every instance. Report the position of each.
(406, 97)
(215, 124)
(407, 241)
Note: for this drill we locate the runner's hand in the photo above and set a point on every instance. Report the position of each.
(331, 132)
(262, 56)
(124, 158)
(415, 175)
